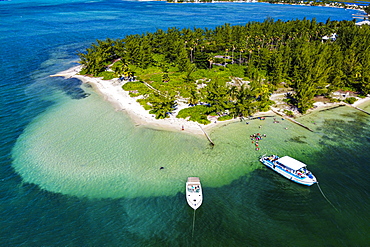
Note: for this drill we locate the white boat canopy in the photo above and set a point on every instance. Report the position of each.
(291, 163)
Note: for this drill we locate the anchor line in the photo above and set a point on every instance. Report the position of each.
(326, 197)
(192, 233)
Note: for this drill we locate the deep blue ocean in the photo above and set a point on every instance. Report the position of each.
(75, 172)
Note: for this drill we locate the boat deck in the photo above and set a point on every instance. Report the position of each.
(193, 180)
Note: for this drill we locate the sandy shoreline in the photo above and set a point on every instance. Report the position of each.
(112, 91)
(357, 104)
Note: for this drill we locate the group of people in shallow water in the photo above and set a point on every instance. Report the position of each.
(256, 138)
(276, 121)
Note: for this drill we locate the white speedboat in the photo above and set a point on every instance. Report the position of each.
(290, 168)
(194, 195)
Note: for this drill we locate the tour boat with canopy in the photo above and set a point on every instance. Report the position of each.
(194, 195)
(290, 168)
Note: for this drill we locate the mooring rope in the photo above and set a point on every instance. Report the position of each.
(192, 233)
(326, 197)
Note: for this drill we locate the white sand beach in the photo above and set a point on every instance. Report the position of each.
(361, 101)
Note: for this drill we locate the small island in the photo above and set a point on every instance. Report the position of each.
(205, 76)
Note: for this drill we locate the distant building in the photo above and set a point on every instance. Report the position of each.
(332, 37)
(363, 23)
(342, 95)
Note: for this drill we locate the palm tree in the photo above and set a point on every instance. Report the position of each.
(194, 97)
(191, 54)
(210, 60)
(244, 105)
(232, 55)
(162, 104)
(217, 96)
(120, 69)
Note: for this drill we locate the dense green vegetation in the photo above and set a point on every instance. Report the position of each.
(232, 70)
(367, 9)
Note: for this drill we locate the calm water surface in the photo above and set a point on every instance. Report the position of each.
(75, 172)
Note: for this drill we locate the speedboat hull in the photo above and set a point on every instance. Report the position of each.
(194, 194)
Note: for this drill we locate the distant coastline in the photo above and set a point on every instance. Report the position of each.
(333, 4)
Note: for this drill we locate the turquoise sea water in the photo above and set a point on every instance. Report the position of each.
(76, 172)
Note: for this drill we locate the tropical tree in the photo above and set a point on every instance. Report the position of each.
(309, 74)
(120, 69)
(162, 104)
(245, 102)
(217, 96)
(367, 9)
